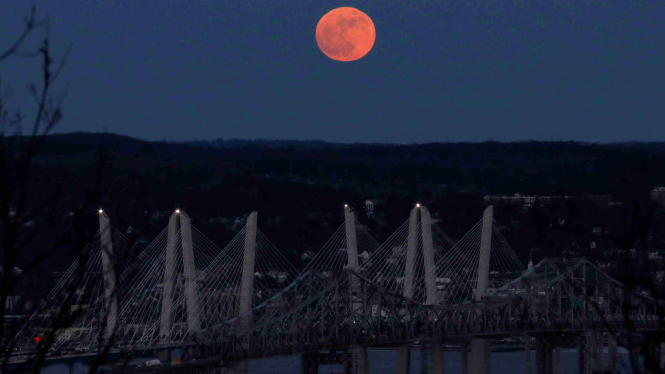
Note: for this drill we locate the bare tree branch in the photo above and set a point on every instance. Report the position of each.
(31, 23)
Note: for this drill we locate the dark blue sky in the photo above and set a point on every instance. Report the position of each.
(441, 70)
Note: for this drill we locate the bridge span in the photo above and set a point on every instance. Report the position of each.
(224, 307)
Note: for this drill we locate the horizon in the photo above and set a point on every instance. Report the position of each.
(286, 140)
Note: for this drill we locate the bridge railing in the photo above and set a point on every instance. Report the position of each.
(334, 316)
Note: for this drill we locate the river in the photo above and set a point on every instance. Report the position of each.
(385, 361)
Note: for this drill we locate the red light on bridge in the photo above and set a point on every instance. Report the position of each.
(37, 339)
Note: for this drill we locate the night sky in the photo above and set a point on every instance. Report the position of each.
(442, 70)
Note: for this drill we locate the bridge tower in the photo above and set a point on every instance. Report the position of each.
(359, 359)
(247, 283)
(420, 214)
(179, 223)
(108, 274)
(436, 350)
(404, 353)
(480, 348)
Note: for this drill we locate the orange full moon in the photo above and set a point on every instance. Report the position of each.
(345, 34)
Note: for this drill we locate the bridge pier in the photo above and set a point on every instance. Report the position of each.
(588, 358)
(600, 344)
(613, 353)
(557, 367)
(312, 360)
(543, 356)
(527, 354)
(357, 362)
(404, 359)
(549, 353)
(438, 363)
(480, 356)
(464, 359)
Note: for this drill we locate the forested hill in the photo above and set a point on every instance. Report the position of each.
(378, 169)
(298, 188)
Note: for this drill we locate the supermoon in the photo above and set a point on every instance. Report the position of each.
(345, 34)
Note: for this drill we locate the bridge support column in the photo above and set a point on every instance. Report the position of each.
(404, 359)
(310, 364)
(557, 367)
(527, 354)
(543, 355)
(464, 359)
(438, 365)
(613, 353)
(108, 273)
(600, 345)
(584, 350)
(597, 344)
(480, 356)
(359, 362)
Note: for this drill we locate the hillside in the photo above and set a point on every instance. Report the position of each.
(298, 188)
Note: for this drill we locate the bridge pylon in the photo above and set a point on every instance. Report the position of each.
(359, 359)
(247, 284)
(404, 352)
(108, 273)
(436, 350)
(179, 228)
(420, 217)
(480, 348)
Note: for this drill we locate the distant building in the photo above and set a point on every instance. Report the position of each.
(308, 255)
(369, 205)
(527, 201)
(658, 195)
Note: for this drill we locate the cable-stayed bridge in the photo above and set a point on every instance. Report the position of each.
(220, 307)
